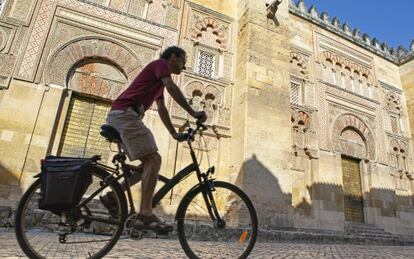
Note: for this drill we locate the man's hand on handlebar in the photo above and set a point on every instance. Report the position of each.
(200, 116)
(180, 137)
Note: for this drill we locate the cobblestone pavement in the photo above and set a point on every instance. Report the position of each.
(163, 248)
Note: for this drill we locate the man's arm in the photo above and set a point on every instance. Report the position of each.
(177, 95)
(165, 117)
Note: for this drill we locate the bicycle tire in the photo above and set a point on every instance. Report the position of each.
(102, 174)
(188, 198)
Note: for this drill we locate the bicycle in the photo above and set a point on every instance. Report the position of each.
(214, 211)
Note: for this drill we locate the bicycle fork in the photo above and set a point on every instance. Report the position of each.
(208, 186)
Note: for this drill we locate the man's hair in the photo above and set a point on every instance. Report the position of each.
(172, 50)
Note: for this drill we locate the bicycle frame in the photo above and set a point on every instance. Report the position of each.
(169, 183)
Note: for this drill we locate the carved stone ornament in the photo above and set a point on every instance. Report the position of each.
(299, 64)
(393, 102)
(272, 8)
(399, 156)
(3, 40)
(203, 25)
(77, 51)
(351, 122)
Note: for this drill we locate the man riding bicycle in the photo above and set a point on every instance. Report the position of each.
(126, 116)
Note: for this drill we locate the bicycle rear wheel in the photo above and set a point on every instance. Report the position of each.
(201, 234)
(86, 232)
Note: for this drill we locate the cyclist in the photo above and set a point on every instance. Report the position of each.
(138, 142)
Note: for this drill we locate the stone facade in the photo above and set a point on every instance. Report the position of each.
(292, 93)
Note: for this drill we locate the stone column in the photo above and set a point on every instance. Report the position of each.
(261, 111)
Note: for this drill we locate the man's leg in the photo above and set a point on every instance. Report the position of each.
(151, 164)
(136, 176)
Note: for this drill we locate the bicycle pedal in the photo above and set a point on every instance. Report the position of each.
(163, 233)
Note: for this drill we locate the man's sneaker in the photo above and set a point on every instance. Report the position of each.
(109, 201)
(152, 222)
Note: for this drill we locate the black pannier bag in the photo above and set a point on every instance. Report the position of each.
(64, 180)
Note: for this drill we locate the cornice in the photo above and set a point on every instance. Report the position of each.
(398, 56)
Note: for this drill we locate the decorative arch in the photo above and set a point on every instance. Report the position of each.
(345, 63)
(299, 62)
(393, 102)
(204, 97)
(99, 49)
(203, 25)
(351, 122)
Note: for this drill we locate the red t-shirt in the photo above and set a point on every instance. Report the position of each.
(146, 87)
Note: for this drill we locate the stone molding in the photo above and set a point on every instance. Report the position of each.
(351, 121)
(398, 56)
(390, 87)
(89, 48)
(201, 26)
(38, 34)
(211, 96)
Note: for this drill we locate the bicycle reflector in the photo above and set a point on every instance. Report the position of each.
(243, 237)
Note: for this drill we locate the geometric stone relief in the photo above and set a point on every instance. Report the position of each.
(22, 10)
(172, 16)
(329, 57)
(208, 97)
(157, 10)
(323, 117)
(132, 7)
(3, 39)
(299, 64)
(326, 89)
(347, 75)
(399, 157)
(88, 50)
(42, 22)
(98, 79)
(392, 101)
(209, 32)
(302, 134)
(351, 136)
(8, 57)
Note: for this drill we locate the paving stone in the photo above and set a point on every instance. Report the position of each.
(170, 248)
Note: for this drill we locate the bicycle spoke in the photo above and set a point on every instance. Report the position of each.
(234, 233)
(81, 233)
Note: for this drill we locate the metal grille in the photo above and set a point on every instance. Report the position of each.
(2, 4)
(353, 203)
(81, 136)
(394, 124)
(205, 64)
(295, 94)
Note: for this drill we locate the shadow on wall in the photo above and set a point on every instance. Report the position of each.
(9, 184)
(275, 208)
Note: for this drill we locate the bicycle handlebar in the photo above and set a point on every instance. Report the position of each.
(192, 132)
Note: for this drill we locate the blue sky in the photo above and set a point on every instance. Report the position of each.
(389, 21)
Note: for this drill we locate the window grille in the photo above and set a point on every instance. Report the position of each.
(2, 5)
(394, 124)
(205, 65)
(295, 94)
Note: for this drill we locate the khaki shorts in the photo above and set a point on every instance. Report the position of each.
(138, 141)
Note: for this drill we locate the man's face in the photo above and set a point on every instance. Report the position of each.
(179, 63)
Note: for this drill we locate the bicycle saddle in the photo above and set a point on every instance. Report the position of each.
(110, 133)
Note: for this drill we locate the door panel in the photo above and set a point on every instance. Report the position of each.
(81, 134)
(353, 203)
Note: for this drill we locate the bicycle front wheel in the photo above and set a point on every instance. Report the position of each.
(229, 231)
(85, 232)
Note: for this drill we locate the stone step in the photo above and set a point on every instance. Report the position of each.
(362, 227)
(321, 236)
(369, 231)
